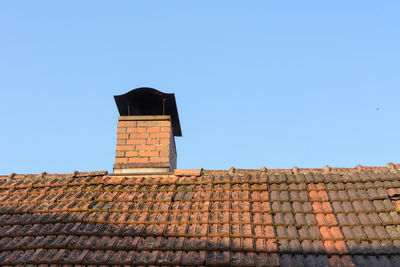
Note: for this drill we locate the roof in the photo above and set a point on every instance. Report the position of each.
(286, 217)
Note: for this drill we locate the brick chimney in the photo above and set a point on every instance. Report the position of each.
(147, 126)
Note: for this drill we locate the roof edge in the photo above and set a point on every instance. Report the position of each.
(391, 167)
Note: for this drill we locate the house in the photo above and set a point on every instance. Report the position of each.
(147, 212)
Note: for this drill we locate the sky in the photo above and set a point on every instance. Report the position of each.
(257, 83)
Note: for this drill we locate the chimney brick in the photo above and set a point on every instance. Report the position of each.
(145, 144)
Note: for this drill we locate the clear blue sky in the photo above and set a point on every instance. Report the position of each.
(257, 83)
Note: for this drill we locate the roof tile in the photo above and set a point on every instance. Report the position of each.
(145, 257)
(146, 220)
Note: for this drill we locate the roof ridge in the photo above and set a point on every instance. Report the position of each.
(327, 169)
(393, 167)
(53, 175)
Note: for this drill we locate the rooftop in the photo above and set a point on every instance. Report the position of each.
(265, 217)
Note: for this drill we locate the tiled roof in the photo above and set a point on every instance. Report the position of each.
(296, 217)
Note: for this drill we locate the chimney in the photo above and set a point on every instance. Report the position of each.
(147, 126)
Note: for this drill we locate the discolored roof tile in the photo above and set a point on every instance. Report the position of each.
(196, 258)
(214, 258)
(245, 218)
(145, 258)
(169, 258)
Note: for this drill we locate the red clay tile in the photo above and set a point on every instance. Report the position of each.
(12, 257)
(336, 233)
(52, 256)
(5, 257)
(341, 247)
(122, 257)
(325, 233)
(272, 245)
(74, 256)
(30, 256)
(217, 258)
(236, 244)
(265, 259)
(196, 244)
(321, 219)
(331, 219)
(97, 257)
(330, 247)
(193, 258)
(363, 223)
(260, 245)
(168, 257)
(370, 232)
(145, 258)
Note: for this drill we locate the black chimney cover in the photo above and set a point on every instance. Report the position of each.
(148, 101)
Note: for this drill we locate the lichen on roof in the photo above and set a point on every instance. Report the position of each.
(265, 217)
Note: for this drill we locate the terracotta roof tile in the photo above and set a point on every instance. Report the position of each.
(319, 217)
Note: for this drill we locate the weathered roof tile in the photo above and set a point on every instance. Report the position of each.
(245, 218)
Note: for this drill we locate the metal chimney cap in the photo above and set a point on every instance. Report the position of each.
(148, 101)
